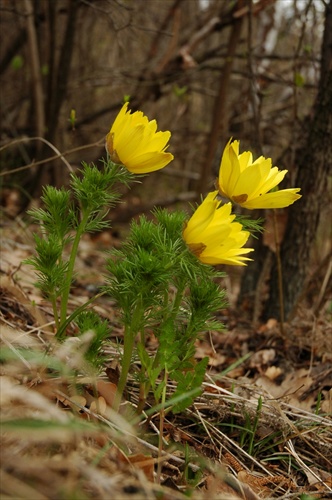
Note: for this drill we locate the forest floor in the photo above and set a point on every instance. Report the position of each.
(262, 427)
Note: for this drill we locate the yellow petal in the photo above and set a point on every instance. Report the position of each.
(138, 118)
(274, 178)
(245, 160)
(157, 142)
(219, 258)
(148, 162)
(235, 145)
(277, 199)
(200, 219)
(128, 143)
(120, 118)
(229, 169)
(252, 179)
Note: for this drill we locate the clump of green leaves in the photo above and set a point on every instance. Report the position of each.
(161, 287)
(68, 214)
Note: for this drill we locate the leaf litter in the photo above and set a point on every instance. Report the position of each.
(262, 427)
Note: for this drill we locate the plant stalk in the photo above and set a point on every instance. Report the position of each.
(128, 346)
(130, 333)
(161, 429)
(70, 270)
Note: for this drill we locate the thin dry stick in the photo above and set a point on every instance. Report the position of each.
(51, 158)
(225, 438)
(309, 470)
(279, 269)
(36, 74)
(323, 287)
(254, 87)
(296, 72)
(115, 421)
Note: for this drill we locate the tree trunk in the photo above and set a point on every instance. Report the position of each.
(314, 162)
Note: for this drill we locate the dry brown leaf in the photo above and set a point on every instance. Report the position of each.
(273, 372)
(326, 405)
(262, 358)
(107, 390)
(143, 462)
(74, 401)
(313, 473)
(292, 388)
(318, 486)
(10, 287)
(99, 406)
(204, 349)
(271, 324)
(280, 218)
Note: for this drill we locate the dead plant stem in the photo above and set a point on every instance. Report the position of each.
(279, 270)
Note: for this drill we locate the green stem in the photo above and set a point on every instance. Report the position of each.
(55, 311)
(172, 315)
(161, 428)
(71, 263)
(130, 333)
(177, 300)
(62, 328)
(144, 386)
(128, 346)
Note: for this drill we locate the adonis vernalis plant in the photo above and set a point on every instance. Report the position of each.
(66, 216)
(162, 279)
(152, 262)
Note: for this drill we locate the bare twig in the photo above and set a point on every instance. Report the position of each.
(279, 269)
(47, 160)
(36, 74)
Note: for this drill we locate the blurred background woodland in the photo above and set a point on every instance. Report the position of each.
(256, 70)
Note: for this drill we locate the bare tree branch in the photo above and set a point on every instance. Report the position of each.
(36, 81)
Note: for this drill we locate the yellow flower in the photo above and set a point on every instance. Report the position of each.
(248, 183)
(134, 141)
(212, 235)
